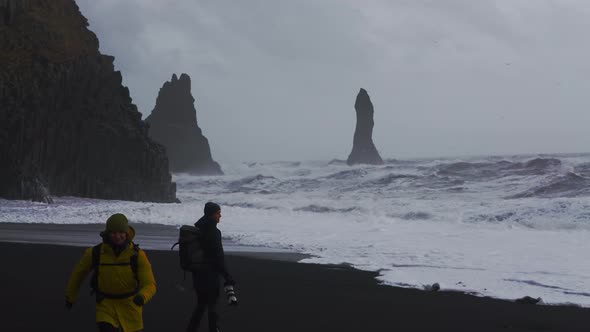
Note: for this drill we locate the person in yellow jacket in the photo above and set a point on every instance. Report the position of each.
(123, 280)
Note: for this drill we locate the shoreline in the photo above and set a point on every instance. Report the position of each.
(159, 237)
(273, 294)
(149, 237)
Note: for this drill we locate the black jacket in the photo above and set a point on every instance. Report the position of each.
(214, 256)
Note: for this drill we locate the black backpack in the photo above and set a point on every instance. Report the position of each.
(190, 245)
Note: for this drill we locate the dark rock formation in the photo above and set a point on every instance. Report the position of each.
(529, 300)
(363, 149)
(173, 123)
(67, 125)
(11, 8)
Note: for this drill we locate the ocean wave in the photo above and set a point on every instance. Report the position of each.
(285, 164)
(455, 189)
(249, 205)
(250, 180)
(479, 171)
(324, 209)
(302, 184)
(391, 161)
(416, 216)
(583, 170)
(253, 184)
(570, 185)
(391, 178)
(539, 166)
(337, 162)
(494, 218)
(435, 181)
(348, 174)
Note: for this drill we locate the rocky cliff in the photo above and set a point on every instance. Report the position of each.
(363, 148)
(67, 124)
(173, 123)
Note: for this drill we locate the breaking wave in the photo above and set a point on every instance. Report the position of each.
(515, 189)
(325, 209)
(569, 185)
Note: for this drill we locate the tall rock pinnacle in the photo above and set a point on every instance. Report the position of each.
(363, 148)
(173, 123)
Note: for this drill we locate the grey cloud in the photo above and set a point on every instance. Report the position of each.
(277, 79)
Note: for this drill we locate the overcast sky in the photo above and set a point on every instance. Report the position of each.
(277, 79)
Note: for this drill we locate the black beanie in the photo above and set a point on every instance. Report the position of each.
(211, 208)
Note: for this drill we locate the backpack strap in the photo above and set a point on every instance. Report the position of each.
(134, 264)
(95, 264)
(96, 255)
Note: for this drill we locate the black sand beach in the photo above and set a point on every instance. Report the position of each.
(274, 295)
(150, 236)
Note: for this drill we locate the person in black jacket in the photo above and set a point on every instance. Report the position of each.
(206, 280)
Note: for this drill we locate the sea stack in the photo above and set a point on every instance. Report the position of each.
(363, 149)
(173, 123)
(68, 126)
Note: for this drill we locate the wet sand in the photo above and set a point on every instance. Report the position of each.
(149, 236)
(274, 295)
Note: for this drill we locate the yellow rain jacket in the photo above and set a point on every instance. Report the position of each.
(115, 276)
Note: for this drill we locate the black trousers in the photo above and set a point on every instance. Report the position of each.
(206, 284)
(106, 327)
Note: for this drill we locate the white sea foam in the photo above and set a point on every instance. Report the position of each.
(500, 226)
